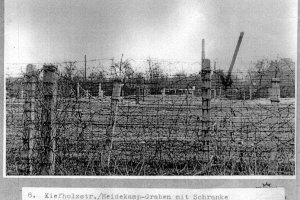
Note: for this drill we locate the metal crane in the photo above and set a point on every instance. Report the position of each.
(226, 80)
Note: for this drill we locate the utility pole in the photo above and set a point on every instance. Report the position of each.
(203, 49)
(112, 65)
(150, 69)
(150, 75)
(121, 62)
(206, 100)
(215, 64)
(84, 67)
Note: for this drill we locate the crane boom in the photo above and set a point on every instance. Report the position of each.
(235, 54)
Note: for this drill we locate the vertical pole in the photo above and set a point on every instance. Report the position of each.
(99, 87)
(100, 92)
(137, 98)
(110, 131)
(244, 90)
(163, 94)
(215, 64)
(22, 94)
(250, 95)
(187, 97)
(84, 67)
(29, 116)
(144, 92)
(78, 91)
(112, 66)
(275, 93)
(255, 155)
(48, 120)
(215, 93)
(206, 98)
(203, 49)
(193, 91)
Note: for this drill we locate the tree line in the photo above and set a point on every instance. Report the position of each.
(258, 77)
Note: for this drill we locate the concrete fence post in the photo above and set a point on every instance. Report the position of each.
(275, 91)
(100, 92)
(193, 90)
(29, 115)
(48, 133)
(163, 94)
(78, 91)
(110, 131)
(206, 98)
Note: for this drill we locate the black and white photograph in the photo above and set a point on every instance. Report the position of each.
(173, 88)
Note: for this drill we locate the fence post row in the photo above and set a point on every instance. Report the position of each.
(206, 98)
(117, 85)
(29, 115)
(48, 133)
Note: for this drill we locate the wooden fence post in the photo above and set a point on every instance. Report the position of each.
(29, 115)
(48, 133)
(206, 98)
(110, 131)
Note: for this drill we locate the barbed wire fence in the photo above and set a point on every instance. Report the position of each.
(176, 125)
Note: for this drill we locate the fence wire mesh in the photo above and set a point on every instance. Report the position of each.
(155, 127)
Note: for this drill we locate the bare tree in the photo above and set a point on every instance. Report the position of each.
(97, 76)
(260, 76)
(69, 70)
(156, 77)
(123, 70)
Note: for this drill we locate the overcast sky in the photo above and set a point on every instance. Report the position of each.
(60, 30)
